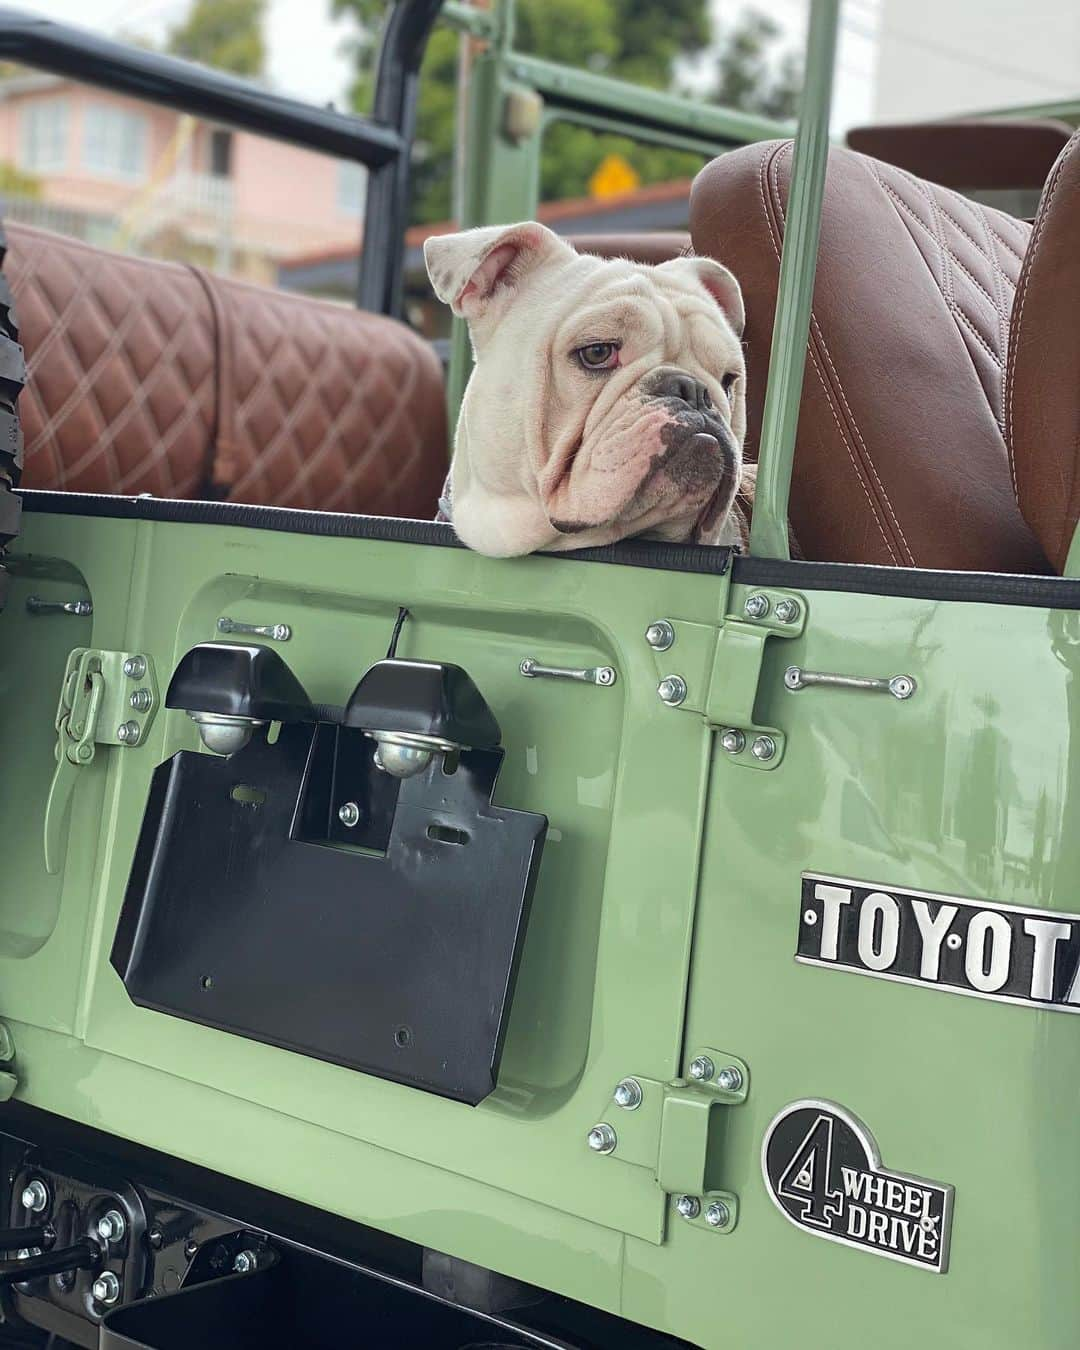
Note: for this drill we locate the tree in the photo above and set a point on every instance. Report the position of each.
(226, 34)
(642, 41)
(748, 76)
(631, 39)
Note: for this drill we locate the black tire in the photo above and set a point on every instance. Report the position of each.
(12, 381)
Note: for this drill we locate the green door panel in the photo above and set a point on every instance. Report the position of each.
(664, 923)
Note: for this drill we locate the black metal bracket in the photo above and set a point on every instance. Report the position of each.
(389, 944)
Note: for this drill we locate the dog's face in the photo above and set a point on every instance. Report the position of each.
(607, 399)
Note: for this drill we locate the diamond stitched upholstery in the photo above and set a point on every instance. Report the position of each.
(120, 356)
(155, 377)
(327, 409)
(900, 457)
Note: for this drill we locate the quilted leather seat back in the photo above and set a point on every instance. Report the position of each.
(161, 378)
(901, 456)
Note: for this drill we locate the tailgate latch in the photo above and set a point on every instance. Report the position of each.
(106, 698)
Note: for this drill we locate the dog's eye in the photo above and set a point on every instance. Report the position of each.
(728, 382)
(598, 356)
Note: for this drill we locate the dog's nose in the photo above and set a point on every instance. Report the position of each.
(668, 382)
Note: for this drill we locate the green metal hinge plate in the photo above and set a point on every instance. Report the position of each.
(667, 1132)
(106, 698)
(720, 669)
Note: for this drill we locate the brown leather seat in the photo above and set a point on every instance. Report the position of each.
(901, 454)
(659, 247)
(1042, 390)
(156, 377)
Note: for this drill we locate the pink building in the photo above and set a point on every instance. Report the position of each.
(140, 178)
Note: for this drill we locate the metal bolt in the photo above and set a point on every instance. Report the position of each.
(660, 635)
(701, 1069)
(190, 1248)
(730, 1078)
(627, 1094)
(717, 1215)
(901, 686)
(156, 1239)
(35, 1197)
(764, 747)
(128, 733)
(672, 690)
(246, 1261)
(787, 611)
(689, 1206)
(135, 667)
(349, 814)
(141, 699)
(602, 1138)
(85, 751)
(112, 1226)
(733, 740)
(757, 606)
(106, 1288)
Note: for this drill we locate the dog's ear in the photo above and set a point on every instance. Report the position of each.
(468, 270)
(720, 284)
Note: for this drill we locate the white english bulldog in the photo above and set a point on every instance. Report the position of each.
(607, 397)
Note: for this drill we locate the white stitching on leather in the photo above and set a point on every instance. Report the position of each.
(860, 470)
(1021, 291)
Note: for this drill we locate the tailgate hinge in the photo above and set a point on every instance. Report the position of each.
(716, 670)
(665, 1128)
(106, 698)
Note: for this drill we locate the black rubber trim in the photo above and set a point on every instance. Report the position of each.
(983, 588)
(630, 553)
(10, 511)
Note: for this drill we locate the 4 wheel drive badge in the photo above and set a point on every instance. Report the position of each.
(823, 1172)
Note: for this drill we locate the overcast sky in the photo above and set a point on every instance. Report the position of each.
(305, 45)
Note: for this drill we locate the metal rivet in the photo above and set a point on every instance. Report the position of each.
(35, 1196)
(127, 733)
(717, 1215)
(954, 942)
(672, 690)
(190, 1248)
(701, 1068)
(627, 1094)
(733, 740)
(349, 814)
(730, 1078)
(246, 1261)
(810, 917)
(602, 1138)
(106, 1288)
(787, 611)
(757, 606)
(660, 635)
(141, 699)
(902, 686)
(135, 667)
(689, 1206)
(764, 747)
(112, 1226)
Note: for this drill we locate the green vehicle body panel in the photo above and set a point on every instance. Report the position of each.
(664, 924)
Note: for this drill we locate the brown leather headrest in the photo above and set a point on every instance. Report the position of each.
(1042, 386)
(970, 154)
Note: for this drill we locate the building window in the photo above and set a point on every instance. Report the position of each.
(220, 153)
(43, 134)
(351, 188)
(114, 142)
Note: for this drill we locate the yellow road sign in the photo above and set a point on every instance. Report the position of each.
(613, 176)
